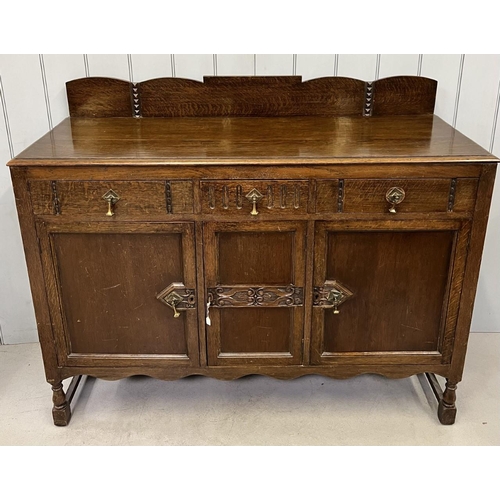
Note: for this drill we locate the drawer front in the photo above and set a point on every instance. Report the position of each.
(408, 195)
(128, 198)
(251, 198)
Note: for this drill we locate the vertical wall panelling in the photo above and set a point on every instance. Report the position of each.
(445, 69)
(478, 97)
(24, 100)
(398, 64)
(6, 145)
(60, 68)
(459, 88)
(419, 65)
(111, 65)
(235, 64)
(361, 66)
(172, 64)
(274, 64)
(147, 67)
(86, 64)
(130, 68)
(315, 66)
(495, 133)
(45, 91)
(486, 316)
(377, 67)
(193, 66)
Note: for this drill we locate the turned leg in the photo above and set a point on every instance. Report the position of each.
(447, 411)
(61, 411)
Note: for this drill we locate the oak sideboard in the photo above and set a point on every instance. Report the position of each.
(253, 225)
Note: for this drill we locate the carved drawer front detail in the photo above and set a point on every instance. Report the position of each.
(248, 296)
(394, 196)
(112, 198)
(251, 198)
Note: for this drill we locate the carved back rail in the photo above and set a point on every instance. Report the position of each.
(250, 96)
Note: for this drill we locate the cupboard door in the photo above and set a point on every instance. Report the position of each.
(105, 283)
(381, 296)
(255, 278)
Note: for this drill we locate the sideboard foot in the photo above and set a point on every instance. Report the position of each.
(61, 411)
(447, 411)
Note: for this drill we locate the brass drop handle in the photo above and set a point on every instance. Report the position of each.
(394, 195)
(110, 212)
(254, 208)
(254, 196)
(176, 312)
(336, 297)
(111, 198)
(177, 297)
(172, 299)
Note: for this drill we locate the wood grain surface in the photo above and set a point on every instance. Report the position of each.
(250, 141)
(399, 280)
(98, 97)
(250, 96)
(255, 255)
(404, 95)
(369, 195)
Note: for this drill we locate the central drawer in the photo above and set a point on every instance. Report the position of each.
(254, 197)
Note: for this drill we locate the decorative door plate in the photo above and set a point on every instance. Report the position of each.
(249, 296)
(331, 295)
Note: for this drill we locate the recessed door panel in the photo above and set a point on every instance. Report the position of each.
(380, 294)
(255, 279)
(108, 279)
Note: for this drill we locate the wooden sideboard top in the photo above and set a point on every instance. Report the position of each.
(251, 120)
(251, 140)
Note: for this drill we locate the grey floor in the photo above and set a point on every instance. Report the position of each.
(312, 410)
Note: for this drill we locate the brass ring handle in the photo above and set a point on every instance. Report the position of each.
(394, 195)
(112, 198)
(254, 196)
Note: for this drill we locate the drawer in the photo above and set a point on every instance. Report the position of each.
(409, 195)
(267, 197)
(136, 198)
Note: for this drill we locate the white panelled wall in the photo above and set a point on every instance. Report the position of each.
(33, 100)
